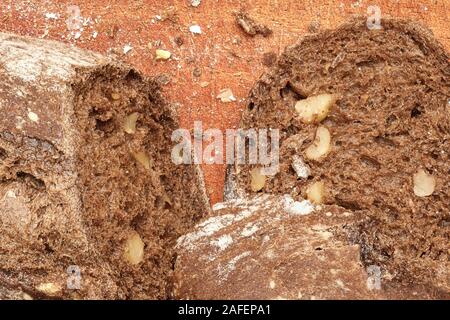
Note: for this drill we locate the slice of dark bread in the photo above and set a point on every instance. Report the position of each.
(90, 201)
(389, 126)
(271, 247)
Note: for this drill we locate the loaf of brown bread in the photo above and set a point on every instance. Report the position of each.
(90, 202)
(364, 120)
(272, 247)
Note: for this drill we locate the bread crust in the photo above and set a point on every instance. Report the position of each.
(71, 191)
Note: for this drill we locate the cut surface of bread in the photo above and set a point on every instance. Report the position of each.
(90, 201)
(364, 120)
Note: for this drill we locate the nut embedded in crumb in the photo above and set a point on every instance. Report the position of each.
(258, 180)
(143, 159)
(321, 144)
(115, 96)
(315, 108)
(33, 116)
(424, 183)
(134, 249)
(316, 192)
(49, 288)
(129, 125)
(26, 296)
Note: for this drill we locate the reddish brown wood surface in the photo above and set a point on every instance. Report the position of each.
(224, 55)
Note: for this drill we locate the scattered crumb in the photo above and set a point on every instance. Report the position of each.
(127, 48)
(163, 54)
(197, 72)
(51, 16)
(226, 95)
(250, 27)
(113, 31)
(195, 29)
(163, 79)
(179, 41)
(196, 3)
(314, 26)
(168, 14)
(269, 58)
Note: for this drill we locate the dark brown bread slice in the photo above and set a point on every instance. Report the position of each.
(270, 247)
(75, 188)
(391, 118)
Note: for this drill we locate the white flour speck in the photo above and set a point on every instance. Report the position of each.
(127, 48)
(249, 230)
(231, 265)
(195, 29)
(51, 16)
(223, 242)
(297, 208)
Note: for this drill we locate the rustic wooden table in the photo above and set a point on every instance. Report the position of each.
(222, 56)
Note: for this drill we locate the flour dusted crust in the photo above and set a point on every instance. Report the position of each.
(261, 249)
(73, 193)
(272, 247)
(390, 121)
